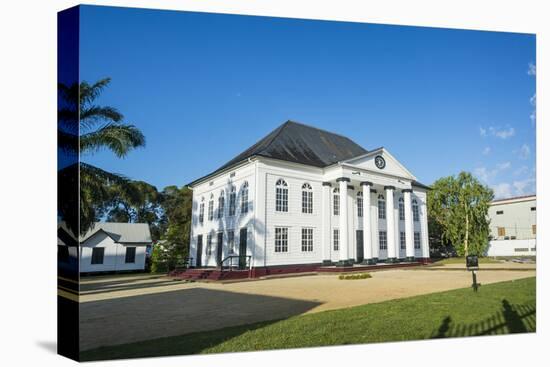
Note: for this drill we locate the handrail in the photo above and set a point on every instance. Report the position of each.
(248, 260)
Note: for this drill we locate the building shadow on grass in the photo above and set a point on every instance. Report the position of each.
(141, 322)
(511, 319)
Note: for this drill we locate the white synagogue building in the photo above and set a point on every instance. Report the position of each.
(308, 197)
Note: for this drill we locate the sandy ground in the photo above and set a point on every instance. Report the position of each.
(118, 311)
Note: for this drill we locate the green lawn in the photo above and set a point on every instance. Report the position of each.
(501, 308)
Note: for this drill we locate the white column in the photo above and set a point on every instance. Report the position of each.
(327, 229)
(367, 227)
(343, 216)
(374, 225)
(425, 244)
(390, 224)
(409, 239)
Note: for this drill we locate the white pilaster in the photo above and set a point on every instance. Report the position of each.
(409, 239)
(367, 226)
(343, 217)
(327, 228)
(390, 223)
(374, 225)
(425, 244)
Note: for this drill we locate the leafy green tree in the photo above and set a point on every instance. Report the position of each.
(136, 202)
(176, 205)
(88, 128)
(457, 209)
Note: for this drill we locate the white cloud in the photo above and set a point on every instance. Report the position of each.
(502, 190)
(497, 131)
(523, 187)
(487, 175)
(521, 171)
(486, 151)
(503, 166)
(532, 69)
(533, 115)
(502, 133)
(524, 151)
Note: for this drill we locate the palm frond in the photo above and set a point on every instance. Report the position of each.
(119, 138)
(91, 116)
(88, 93)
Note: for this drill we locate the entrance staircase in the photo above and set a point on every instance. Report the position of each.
(210, 274)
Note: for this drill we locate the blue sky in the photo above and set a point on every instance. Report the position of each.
(204, 87)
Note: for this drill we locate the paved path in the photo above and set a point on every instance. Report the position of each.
(152, 308)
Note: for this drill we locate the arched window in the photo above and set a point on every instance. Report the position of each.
(381, 207)
(281, 196)
(359, 203)
(336, 201)
(307, 199)
(201, 211)
(221, 204)
(232, 199)
(211, 207)
(401, 209)
(244, 198)
(416, 214)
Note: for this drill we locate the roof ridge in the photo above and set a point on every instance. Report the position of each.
(280, 128)
(322, 130)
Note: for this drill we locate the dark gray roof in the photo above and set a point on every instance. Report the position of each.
(421, 185)
(121, 232)
(299, 143)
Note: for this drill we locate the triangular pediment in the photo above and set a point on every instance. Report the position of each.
(380, 161)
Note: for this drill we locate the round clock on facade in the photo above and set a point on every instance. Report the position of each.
(379, 161)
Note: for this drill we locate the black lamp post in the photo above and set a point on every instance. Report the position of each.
(472, 264)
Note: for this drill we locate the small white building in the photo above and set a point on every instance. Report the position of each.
(513, 226)
(302, 195)
(113, 247)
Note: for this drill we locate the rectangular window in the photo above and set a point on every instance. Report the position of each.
(500, 212)
(401, 210)
(221, 205)
(307, 202)
(232, 198)
(383, 240)
(521, 249)
(416, 213)
(336, 239)
(307, 239)
(534, 229)
(201, 213)
(281, 239)
(130, 255)
(97, 255)
(533, 208)
(231, 241)
(211, 210)
(501, 231)
(381, 209)
(417, 240)
(209, 244)
(244, 201)
(402, 240)
(281, 198)
(336, 204)
(359, 206)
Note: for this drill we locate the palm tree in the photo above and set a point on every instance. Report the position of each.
(85, 128)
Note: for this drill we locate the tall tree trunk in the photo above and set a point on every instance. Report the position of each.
(467, 229)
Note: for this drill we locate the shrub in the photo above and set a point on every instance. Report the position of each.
(354, 276)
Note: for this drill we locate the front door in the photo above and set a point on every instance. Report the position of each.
(219, 252)
(359, 241)
(242, 248)
(199, 251)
